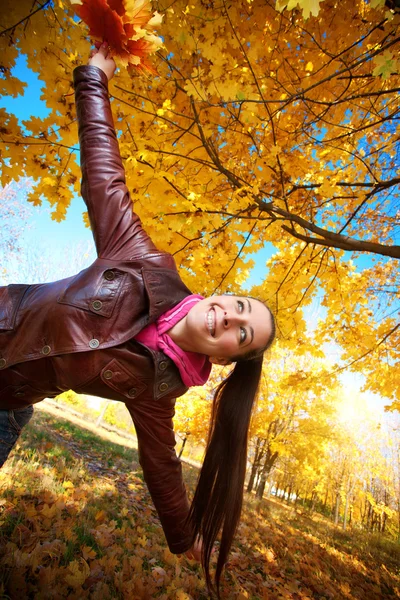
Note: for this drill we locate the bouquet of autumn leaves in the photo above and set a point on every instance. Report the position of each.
(127, 27)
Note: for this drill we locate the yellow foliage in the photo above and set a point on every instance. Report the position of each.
(262, 126)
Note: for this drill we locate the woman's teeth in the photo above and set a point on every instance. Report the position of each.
(211, 321)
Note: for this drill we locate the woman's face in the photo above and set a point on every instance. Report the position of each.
(224, 327)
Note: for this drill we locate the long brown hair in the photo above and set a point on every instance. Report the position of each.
(218, 498)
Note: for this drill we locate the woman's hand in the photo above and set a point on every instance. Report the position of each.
(100, 58)
(194, 553)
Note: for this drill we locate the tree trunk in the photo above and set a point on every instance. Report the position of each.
(326, 496)
(183, 445)
(270, 459)
(314, 498)
(346, 508)
(103, 412)
(337, 504)
(384, 522)
(304, 499)
(256, 464)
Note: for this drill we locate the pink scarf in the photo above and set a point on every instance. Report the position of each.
(194, 368)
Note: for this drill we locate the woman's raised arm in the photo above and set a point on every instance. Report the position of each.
(117, 230)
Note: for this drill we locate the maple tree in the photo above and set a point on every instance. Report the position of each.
(264, 124)
(351, 476)
(293, 416)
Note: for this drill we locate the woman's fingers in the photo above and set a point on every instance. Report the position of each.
(104, 48)
(100, 48)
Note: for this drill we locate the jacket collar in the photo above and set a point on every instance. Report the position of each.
(164, 289)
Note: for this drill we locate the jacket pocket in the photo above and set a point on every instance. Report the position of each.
(94, 290)
(121, 380)
(10, 300)
(19, 396)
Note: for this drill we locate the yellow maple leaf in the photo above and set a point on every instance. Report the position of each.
(68, 485)
(77, 572)
(88, 552)
(309, 7)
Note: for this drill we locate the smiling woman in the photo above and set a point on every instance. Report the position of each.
(128, 329)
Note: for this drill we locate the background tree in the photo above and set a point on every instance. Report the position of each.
(293, 417)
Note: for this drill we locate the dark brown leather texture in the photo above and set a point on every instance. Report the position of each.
(77, 333)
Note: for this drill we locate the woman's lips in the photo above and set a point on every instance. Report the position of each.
(210, 320)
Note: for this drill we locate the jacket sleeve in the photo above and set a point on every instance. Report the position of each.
(117, 230)
(162, 469)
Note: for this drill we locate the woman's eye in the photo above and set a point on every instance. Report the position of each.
(243, 335)
(240, 305)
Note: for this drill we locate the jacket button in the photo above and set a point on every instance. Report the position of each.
(163, 365)
(97, 304)
(108, 374)
(163, 387)
(46, 350)
(132, 393)
(109, 275)
(19, 394)
(2, 363)
(94, 343)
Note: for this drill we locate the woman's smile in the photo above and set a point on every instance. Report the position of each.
(211, 321)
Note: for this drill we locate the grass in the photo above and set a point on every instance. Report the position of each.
(76, 521)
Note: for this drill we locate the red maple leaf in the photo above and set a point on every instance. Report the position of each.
(104, 22)
(125, 25)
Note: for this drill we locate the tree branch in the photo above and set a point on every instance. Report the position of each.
(41, 7)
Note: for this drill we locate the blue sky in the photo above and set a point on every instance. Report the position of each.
(42, 226)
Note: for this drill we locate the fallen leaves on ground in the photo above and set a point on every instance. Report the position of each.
(76, 521)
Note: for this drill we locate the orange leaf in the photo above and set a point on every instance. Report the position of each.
(104, 22)
(122, 23)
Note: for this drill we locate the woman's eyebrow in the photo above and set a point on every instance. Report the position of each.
(251, 334)
(248, 302)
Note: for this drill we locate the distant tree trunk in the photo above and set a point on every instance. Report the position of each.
(304, 499)
(337, 504)
(314, 497)
(183, 444)
(398, 519)
(256, 463)
(270, 459)
(384, 518)
(364, 514)
(326, 497)
(289, 493)
(368, 516)
(103, 412)
(374, 518)
(346, 508)
(277, 486)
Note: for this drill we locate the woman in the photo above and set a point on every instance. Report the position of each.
(127, 328)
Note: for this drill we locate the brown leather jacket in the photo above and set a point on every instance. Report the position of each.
(77, 333)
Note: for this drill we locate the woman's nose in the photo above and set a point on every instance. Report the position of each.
(231, 318)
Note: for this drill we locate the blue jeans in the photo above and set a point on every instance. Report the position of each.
(11, 424)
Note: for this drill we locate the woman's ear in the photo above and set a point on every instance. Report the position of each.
(215, 360)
